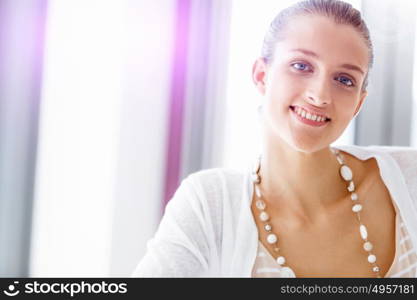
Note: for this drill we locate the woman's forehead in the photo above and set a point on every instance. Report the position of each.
(320, 35)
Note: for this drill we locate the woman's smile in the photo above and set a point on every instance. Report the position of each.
(308, 118)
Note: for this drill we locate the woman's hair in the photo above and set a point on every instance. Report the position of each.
(341, 12)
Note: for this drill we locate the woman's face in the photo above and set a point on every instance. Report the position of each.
(318, 71)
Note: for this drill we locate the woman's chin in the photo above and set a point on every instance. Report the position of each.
(299, 140)
(308, 145)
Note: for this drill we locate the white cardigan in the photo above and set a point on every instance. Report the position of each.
(208, 229)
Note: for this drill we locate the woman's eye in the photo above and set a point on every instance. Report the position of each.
(345, 80)
(301, 66)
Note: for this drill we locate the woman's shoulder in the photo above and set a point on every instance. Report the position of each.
(400, 151)
(219, 185)
(396, 163)
(403, 155)
(210, 195)
(215, 176)
(401, 158)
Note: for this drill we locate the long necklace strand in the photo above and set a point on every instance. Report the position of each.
(272, 238)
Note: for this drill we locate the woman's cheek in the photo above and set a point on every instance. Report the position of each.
(292, 80)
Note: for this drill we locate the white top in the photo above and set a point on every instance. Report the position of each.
(208, 229)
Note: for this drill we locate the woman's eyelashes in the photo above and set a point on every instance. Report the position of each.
(301, 66)
(345, 81)
(304, 67)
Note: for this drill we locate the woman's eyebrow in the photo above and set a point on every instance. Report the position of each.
(315, 55)
(353, 68)
(306, 52)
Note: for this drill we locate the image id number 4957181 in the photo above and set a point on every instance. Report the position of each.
(393, 289)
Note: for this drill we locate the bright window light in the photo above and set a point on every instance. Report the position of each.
(78, 139)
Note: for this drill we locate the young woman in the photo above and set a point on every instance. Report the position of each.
(306, 209)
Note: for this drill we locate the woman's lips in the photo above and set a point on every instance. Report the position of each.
(307, 121)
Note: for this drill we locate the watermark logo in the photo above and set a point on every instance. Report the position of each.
(70, 288)
(12, 289)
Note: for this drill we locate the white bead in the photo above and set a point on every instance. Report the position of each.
(351, 187)
(258, 191)
(357, 208)
(268, 227)
(260, 204)
(363, 231)
(372, 258)
(271, 238)
(281, 260)
(264, 216)
(367, 246)
(354, 196)
(346, 173)
(375, 269)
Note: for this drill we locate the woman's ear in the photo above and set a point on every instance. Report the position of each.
(259, 71)
(361, 101)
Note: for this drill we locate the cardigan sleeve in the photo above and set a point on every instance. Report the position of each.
(406, 158)
(179, 247)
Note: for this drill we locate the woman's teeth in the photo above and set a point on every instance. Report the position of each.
(306, 115)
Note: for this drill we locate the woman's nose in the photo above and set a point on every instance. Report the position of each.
(318, 93)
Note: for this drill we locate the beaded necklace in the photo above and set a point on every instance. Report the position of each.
(272, 238)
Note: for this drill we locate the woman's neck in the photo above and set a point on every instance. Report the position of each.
(302, 185)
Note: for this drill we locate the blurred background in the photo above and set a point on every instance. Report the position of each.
(106, 105)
